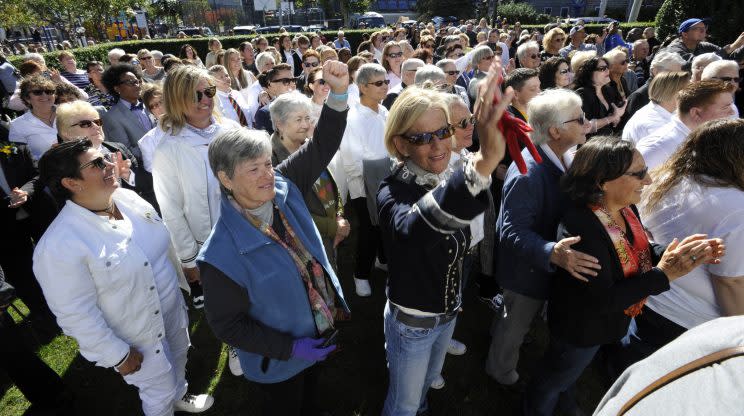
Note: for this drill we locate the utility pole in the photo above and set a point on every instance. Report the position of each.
(633, 17)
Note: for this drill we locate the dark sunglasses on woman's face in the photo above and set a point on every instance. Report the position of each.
(38, 93)
(452, 73)
(209, 92)
(601, 68)
(285, 81)
(395, 55)
(99, 163)
(564, 71)
(86, 124)
(640, 175)
(421, 139)
(467, 121)
(379, 83)
(320, 81)
(581, 120)
(311, 64)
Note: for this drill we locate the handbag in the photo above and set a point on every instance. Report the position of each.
(689, 368)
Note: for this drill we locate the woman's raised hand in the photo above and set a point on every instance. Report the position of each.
(336, 75)
(682, 257)
(489, 108)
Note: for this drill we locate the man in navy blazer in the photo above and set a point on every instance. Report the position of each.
(527, 227)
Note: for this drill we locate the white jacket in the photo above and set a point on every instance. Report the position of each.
(100, 287)
(183, 180)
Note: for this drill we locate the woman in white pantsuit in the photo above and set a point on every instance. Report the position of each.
(111, 277)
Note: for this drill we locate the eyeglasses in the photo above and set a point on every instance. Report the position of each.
(130, 82)
(452, 73)
(487, 58)
(640, 175)
(601, 68)
(310, 64)
(561, 40)
(734, 80)
(564, 71)
(86, 124)
(209, 92)
(467, 121)
(581, 120)
(285, 81)
(395, 55)
(379, 83)
(38, 93)
(145, 58)
(320, 81)
(421, 139)
(101, 162)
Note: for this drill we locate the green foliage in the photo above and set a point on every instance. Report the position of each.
(521, 12)
(726, 18)
(458, 8)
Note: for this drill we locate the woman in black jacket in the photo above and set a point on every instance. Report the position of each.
(605, 182)
(602, 104)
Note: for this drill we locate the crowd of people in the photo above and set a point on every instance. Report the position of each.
(234, 179)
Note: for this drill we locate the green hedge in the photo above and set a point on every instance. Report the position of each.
(100, 52)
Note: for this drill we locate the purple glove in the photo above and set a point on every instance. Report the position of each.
(309, 349)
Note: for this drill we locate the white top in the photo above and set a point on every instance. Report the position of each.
(250, 95)
(394, 79)
(657, 148)
(290, 58)
(363, 139)
(353, 92)
(646, 121)
(110, 283)
(317, 109)
(378, 55)
(147, 144)
(35, 133)
(687, 209)
(227, 110)
(559, 162)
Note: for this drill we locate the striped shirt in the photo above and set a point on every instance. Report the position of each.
(78, 79)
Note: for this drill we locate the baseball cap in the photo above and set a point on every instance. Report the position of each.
(575, 29)
(687, 24)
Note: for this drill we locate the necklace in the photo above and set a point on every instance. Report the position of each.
(109, 210)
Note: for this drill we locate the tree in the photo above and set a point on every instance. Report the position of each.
(520, 12)
(167, 10)
(17, 13)
(457, 8)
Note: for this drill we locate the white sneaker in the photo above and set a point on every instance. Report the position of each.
(456, 347)
(233, 362)
(191, 403)
(362, 287)
(380, 265)
(438, 383)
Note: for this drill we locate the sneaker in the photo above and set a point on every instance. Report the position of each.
(233, 362)
(438, 383)
(495, 303)
(198, 301)
(362, 287)
(191, 403)
(456, 347)
(380, 265)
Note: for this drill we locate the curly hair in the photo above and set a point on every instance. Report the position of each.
(112, 75)
(549, 69)
(585, 72)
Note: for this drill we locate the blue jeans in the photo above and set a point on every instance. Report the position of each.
(557, 373)
(415, 358)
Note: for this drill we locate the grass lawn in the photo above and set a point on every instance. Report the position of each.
(354, 380)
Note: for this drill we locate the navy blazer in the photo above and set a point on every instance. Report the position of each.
(531, 208)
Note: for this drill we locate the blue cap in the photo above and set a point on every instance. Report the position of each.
(687, 24)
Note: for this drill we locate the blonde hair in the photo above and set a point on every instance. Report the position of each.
(67, 111)
(552, 33)
(142, 52)
(243, 80)
(328, 54)
(665, 86)
(614, 53)
(179, 90)
(411, 104)
(579, 58)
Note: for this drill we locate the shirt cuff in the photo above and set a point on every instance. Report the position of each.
(475, 182)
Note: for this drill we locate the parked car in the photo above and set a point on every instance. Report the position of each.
(370, 19)
(275, 29)
(200, 31)
(244, 30)
(589, 20)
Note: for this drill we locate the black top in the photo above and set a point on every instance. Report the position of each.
(593, 108)
(592, 313)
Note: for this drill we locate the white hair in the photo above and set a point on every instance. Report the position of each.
(664, 60)
(156, 54)
(115, 54)
(33, 56)
(412, 63)
(715, 68)
(523, 48)
(262, 58)
(286, 104)
(550, 108)
(479, 53)
(429, 73)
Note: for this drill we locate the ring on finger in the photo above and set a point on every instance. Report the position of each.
(693, 258)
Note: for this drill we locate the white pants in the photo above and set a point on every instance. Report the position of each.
(162, 378)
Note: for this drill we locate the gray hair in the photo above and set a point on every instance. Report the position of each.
(550, 108)
(523, 48)
(262, 58)
(479, 53)
(411, 63)
(116, 53)
(639, 42)
(367, 71)
(234, 146)
(701, 61)
(156, 54)
(442, 63)
(286, 104)
(430, 73)
(663, 61)
(713, 69)
(33, 56)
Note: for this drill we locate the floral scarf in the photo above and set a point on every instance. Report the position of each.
(319, 289)
(634, 258)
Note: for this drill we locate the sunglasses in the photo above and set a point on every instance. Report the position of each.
(564, 71)
(639, 174)
(581, 120)
(209, 92)
(145, 58)
(421, 139)
(601, 68)
(38, 93)
(310, 64)
(734, 80)
(561, 40)
(130, 82)
(86, 124)
(395, 55)
(320, 81)
(467, 121)
(452, 73)
(285, 81)
(101, 162)
(379, 83)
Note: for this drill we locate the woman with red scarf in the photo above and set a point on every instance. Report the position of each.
(605, 182)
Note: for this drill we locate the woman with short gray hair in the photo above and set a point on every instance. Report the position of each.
(272, 292)
(480, 61)
(430, 73)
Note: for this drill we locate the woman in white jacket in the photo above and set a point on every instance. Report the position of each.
(119, 296)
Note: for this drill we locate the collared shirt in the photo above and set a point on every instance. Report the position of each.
(394, 79)
(341, 44)
(645, 122)
(35, 133)
(570, 48)
(141, 114)
(79, 78)
(559, 162)
(363, 140)
(227, 109)
(658, 147)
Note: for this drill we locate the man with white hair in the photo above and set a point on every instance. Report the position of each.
(700, 62)
(639, 61)
(663, 62)
(341, 42)
(450, 70)
(430, 73)
(408, 71)
(528, 220)
(528, 55)
(726, 71)
(114, 55)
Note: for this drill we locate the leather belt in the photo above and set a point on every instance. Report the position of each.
(425, 322)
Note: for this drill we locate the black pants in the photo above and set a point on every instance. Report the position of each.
(654, 331)
(369, 243)
(39, 383)
(293, 397)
